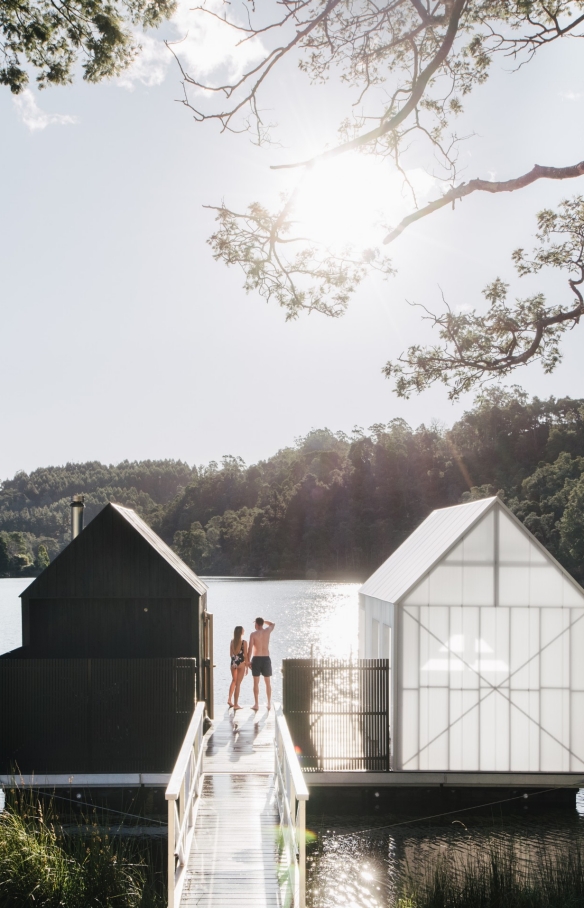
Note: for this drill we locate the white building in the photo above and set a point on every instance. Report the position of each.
(485, 632)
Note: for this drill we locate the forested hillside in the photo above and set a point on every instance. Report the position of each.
(332, 505)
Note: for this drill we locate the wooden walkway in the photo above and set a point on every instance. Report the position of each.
(233, 859)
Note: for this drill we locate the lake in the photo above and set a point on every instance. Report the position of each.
(354, 862)
(307, 614)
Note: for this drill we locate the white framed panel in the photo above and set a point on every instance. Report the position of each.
(420, 595)
(555, 730)
(577, 731)
(478, 585)
(545, 586)
(410, 729)
(555, 647)
(435, 653)
(514, 544)
(524, 731)
(386, 642)
(577, 650)
(514, 583)
(524, 648)
(464, 730)
(571, 597)
(434, 715)
(374, 649)
(479, 543)
(445, 585)
(410, 653)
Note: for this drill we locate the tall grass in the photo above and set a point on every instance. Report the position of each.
(502, 876)
(42, 867)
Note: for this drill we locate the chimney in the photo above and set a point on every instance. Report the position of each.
(77, 508)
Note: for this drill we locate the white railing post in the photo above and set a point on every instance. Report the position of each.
(182, 795)
(301, 833)
(171, 848)
(292, 795)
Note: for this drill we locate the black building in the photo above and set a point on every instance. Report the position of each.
(117, 648)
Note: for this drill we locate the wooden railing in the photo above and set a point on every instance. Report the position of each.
(183, 794)
(292, 795)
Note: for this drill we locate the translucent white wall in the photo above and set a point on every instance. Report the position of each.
(375, 624)
(490, 659)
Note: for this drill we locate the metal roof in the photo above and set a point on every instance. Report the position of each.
(435, 536)
(161, 547)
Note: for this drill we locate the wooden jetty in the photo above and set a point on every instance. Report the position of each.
(236, 815)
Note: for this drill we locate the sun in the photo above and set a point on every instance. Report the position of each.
(348, 200)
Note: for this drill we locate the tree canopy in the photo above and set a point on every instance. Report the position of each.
(408, 66)
(331, 505)
(48, 38)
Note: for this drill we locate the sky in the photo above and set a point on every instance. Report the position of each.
(122, 337)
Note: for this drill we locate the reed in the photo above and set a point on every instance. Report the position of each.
(43, 866)
(501, 876)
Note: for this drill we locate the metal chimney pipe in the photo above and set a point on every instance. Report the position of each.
(77, 508)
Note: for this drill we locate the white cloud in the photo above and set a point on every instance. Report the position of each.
(571, 95)
(149, 67)
(33, 117)
(206, 47)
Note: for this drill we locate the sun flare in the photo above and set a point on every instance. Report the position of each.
(349, 200)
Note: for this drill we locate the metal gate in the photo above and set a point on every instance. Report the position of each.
(338, 713)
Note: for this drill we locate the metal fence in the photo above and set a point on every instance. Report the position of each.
(338, 713)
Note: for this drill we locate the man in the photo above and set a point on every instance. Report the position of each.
(259, 659)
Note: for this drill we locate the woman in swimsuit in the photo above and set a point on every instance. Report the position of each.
(238, 653)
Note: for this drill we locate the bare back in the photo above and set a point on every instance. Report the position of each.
(259, 641)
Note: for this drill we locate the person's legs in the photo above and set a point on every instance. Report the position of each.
(269, 691)
(256, 693)
(238, 679)
(232, 686)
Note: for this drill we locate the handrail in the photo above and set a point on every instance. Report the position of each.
(291, 795)
(182, 794)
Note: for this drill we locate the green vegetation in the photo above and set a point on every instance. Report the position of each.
(332, 505)
(500, 877)
(49, 39)
(42, 866)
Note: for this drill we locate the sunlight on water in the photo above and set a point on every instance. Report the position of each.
(356, 868)
(10, 626)
(308, 614)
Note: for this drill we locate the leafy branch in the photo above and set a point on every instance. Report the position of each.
(51, 35)
(310, 278)
(479, 347)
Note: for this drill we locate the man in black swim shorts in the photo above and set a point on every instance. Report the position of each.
(260, 662)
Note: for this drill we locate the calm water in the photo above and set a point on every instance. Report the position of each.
(349, 864)
(307, 614)
(10, 631)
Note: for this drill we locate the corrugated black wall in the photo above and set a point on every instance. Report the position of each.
(94, 715)
(113, 628)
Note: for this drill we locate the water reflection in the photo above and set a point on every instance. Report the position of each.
(351, 864)
(310, 616)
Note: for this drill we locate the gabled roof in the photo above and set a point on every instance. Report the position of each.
(435, 536)
(102, 562)
(161, 547)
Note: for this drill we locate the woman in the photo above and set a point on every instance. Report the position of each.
(238, 653)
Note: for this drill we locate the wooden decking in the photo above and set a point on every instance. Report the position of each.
(233, 859)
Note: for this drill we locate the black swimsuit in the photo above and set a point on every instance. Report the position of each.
(236, 661)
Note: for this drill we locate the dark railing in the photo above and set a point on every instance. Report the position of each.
(338, 713)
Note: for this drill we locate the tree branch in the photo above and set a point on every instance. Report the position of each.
(416, 96)
(478, 185)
